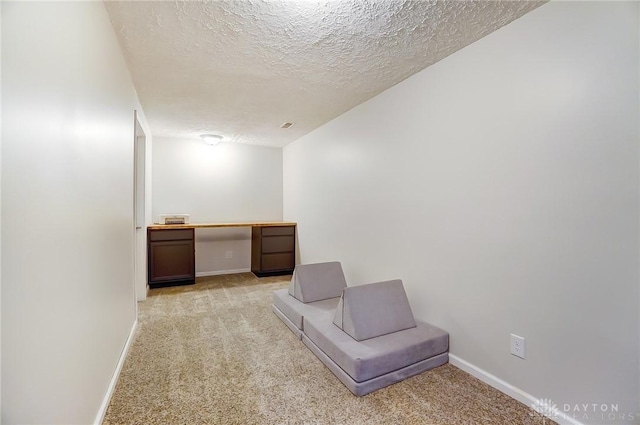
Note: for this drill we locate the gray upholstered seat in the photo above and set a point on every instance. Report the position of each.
(367, 336)
(318, 281)
(314, 289)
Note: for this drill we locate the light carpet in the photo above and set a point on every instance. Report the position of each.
(214, 353)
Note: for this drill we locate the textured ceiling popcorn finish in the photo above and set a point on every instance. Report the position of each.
(242, 68)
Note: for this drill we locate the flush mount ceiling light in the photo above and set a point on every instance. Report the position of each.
(211, 139)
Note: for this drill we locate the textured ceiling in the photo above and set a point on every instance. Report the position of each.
(242, 68)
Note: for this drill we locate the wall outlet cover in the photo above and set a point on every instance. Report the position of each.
(518, 346)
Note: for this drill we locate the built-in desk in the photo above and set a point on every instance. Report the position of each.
(171, 250)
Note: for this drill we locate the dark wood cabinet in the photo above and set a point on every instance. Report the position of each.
(273, 250)
(171, 257)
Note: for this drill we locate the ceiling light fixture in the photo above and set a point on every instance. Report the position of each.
(211, 139)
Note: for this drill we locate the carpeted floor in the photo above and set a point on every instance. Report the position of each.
(214, 353)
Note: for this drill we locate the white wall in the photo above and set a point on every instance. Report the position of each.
(501, 184)
(67, 210)
(224, 183)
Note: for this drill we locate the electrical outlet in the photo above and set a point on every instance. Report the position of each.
(518, 346)
(228, 255)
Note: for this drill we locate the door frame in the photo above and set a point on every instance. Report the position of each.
(141, 287)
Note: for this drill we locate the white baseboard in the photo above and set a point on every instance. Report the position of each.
(116, 375)
(508, 389)
(221, 272)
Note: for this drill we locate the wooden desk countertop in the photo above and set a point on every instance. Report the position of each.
(213, 225)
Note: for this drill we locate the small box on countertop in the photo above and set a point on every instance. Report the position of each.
(174, 219)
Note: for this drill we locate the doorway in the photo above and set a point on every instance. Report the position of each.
(139, 212)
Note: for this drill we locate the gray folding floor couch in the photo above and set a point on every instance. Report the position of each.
(366, 335)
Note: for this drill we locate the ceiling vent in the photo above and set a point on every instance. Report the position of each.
(286, 125)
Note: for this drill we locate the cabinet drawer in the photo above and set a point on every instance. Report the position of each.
(278, 231)
(170, 235)
(273, 244)
(281, 261)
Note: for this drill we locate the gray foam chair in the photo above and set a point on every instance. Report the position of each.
(315, 290)
(318, 281)
(371, 339)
